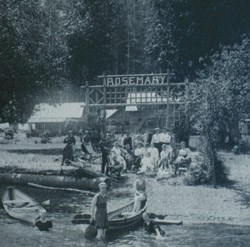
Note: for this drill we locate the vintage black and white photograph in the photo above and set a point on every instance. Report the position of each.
(125, 123)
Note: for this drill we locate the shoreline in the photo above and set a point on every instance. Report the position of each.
(191, 204)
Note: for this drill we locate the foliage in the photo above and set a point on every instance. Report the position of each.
(49, 47)
(201, 173)
(221, 90)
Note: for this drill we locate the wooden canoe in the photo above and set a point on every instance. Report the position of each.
(119, 220)
(21, 206)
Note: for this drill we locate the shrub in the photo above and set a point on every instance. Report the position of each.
(201, 173)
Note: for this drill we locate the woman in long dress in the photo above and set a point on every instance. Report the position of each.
(99, 212)
(68, 151)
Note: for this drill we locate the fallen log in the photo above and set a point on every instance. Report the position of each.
(53, 181)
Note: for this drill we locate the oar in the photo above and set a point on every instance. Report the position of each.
(89, 193)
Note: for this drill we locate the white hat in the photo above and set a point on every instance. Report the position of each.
(102, 185)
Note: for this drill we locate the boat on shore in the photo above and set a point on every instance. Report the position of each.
(20, 206)
(120, 220)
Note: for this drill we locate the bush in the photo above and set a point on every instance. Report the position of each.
(201, 173)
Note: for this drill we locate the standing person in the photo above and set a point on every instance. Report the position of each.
(99, 211)
(105, 145)
(156, 139)
(139, 153)
(127, 140)
(86, 141)
(68, 151)
(149, 136)
(165, 137)
(140, 192)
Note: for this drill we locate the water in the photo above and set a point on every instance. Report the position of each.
(65, 204)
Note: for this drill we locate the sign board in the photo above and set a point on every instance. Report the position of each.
(134, 80)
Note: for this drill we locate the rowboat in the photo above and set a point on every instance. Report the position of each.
(21, 206)
(119, 220)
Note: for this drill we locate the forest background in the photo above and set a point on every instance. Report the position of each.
(49, 49)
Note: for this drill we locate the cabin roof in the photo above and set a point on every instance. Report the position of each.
(56, 113)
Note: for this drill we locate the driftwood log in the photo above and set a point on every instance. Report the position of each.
(53, 180)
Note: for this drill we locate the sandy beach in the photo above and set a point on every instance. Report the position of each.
(201, 204)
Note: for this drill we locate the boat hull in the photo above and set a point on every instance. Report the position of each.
(116, 223)
(20, 206)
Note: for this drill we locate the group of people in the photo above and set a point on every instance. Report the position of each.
(158, 154)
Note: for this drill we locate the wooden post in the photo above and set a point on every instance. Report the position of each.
(168, 106)
(187, 134)
(87, 103)
(104, 109)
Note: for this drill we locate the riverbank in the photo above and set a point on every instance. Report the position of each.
(201, 204)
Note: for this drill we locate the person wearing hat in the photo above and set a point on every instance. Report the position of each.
(68, 151)
(140, 197)
(99, 211)
(42, 223)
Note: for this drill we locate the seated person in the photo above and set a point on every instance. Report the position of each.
(173, 154)
(164, 157)
(115, 167)
(117, 151)
(183, 158)
(154, 155)
(42, 223)
(147, 163)
(151, 227)
(129, 157)
(140, 196)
